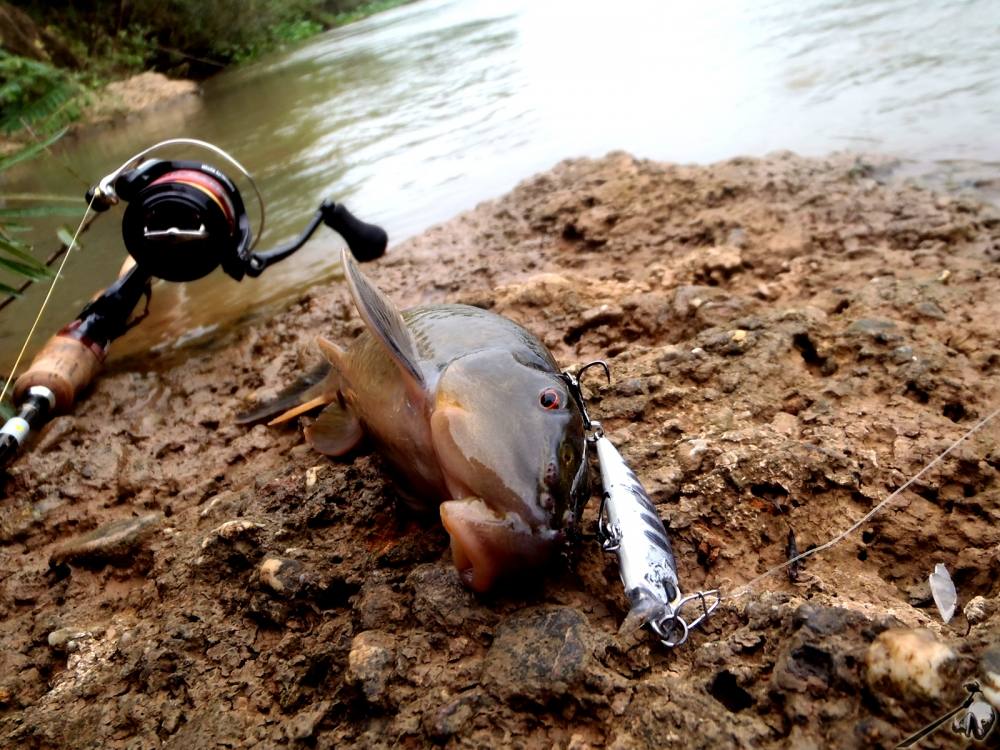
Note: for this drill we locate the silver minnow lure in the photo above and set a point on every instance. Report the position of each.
(629, 526)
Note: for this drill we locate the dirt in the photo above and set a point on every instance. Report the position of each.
(140, 94)
(790, 340)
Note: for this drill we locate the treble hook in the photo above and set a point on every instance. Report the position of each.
(573, 382)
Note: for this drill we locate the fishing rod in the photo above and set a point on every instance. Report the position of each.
(183, 220)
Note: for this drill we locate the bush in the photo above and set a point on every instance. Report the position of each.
(36, 95)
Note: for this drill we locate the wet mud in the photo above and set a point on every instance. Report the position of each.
(789, 339)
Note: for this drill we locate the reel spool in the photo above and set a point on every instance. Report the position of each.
(184, 219)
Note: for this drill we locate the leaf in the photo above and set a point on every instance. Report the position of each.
(19, 250)
(943, 591)
(66, 237)
(9, 290)
(34, 272)
(30, 151)
(42, 197)
(29, 212)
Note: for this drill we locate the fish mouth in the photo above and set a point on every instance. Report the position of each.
(486, 545)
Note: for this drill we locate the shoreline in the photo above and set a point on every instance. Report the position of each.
(789, 340)
(144, 92)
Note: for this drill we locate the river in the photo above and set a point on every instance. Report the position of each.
(413, 115)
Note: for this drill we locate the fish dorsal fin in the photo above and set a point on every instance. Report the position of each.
(385, 322)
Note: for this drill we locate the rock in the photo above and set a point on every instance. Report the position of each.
(371, 663)
(282, 575)
(115, 542)
(449, 720)
(979, 609)
(691, 454)
(539, 654)
(379, 606)
(912, 664)
(312, 476)
(719, 263)
(303, 724)
(67, 639)
(930, 310)
(879, 330)
(440, 600)
(235, 544)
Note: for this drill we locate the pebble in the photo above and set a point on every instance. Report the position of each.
(371, 662)
(979, 609)
(450, 718)
(379, 606)
(911, 663)
(930, 310)
(67, 639)
(234, 544)
(222, 501)
(691, 454)
(303, 725)
(234, 530)
(282, 575)
(117, 541)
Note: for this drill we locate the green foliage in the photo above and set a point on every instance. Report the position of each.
(15, 255)
(188, 37)
(363, 10)
(36, 95)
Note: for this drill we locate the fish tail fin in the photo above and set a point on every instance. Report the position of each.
(308, 392)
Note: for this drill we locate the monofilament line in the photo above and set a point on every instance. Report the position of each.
(45, 303)
(745, 588)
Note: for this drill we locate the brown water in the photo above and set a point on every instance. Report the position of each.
(415, 114)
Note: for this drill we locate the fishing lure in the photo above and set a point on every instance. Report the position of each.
(630, 527)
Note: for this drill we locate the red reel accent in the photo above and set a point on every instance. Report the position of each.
(208, 185)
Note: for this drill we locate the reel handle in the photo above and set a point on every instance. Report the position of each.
(366, 241)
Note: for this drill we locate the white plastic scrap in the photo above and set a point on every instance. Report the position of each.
(943, 591)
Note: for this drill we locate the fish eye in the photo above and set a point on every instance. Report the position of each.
(549, 399)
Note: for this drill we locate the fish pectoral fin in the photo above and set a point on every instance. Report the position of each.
(306, 388)
(386, 323)
(298, 410)
(335, 431)
(486, 545)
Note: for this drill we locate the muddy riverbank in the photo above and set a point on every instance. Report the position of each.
(790, 340)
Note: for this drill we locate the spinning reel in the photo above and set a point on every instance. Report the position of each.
(183, 220)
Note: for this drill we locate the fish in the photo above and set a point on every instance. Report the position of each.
(470, 411)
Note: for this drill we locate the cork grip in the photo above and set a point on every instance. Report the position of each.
(65, 366)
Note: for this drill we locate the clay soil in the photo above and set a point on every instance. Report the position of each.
(790, 340)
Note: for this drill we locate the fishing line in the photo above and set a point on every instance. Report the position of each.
(745, 588)
(45, 302)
